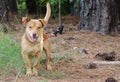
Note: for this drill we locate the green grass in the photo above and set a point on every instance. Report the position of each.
(11, 58)
(53, 75)
(10, 54)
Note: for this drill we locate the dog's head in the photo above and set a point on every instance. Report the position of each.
(34, 28)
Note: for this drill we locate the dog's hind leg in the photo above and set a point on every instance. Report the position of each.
(47, 50)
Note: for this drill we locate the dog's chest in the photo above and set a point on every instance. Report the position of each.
(34, 49)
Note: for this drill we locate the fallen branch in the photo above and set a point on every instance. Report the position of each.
(107, 62)
(3, 16)
(17, 76)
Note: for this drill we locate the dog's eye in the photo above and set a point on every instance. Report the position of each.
(38, 27)
(30, 27)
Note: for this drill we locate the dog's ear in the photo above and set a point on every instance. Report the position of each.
(25, 20)
(43, 22)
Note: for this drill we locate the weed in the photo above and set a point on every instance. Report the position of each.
(43, 61)
(62, 57)
(53, 75)
(10, 54)
(3, 28)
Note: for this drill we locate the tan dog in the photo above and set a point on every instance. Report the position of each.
(34, 41)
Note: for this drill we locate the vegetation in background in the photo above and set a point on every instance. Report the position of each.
(10, 54)
(41, 7)
(22, 7)
(4, 28)
(56, 2)
(65, 7)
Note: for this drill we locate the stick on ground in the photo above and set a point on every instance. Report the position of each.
(107, 62)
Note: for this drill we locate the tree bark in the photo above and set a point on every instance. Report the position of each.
(99, 15)
(4, 11)
(75, 7)
(12, 5)
(31, 6)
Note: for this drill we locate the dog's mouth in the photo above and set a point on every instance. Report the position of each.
(33, 37)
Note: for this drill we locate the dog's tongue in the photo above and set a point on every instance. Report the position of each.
(33, 39)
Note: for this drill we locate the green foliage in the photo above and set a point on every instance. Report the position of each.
(40, 5)
(56, 2)
(54, 6)
(22, 7)
(44, 1)
(65, 7)
(10, 54)
(76, 4)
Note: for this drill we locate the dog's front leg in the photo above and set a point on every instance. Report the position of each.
(28, 64)
(36, 64)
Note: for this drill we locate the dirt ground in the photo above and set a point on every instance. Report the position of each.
(72, 60)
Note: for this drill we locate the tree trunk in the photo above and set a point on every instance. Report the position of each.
(31, 6)
(3, 11)
(75, 7)
(11, 5)
(99, 15)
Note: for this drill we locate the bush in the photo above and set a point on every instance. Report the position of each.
(22, 7)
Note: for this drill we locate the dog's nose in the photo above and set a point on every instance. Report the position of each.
(34, 35)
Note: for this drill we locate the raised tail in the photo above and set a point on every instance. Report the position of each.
(48, 12)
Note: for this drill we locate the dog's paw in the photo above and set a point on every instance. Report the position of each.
(29, 73)
(35, 71)
(49, 68)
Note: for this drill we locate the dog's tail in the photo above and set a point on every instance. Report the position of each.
(48, 13)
